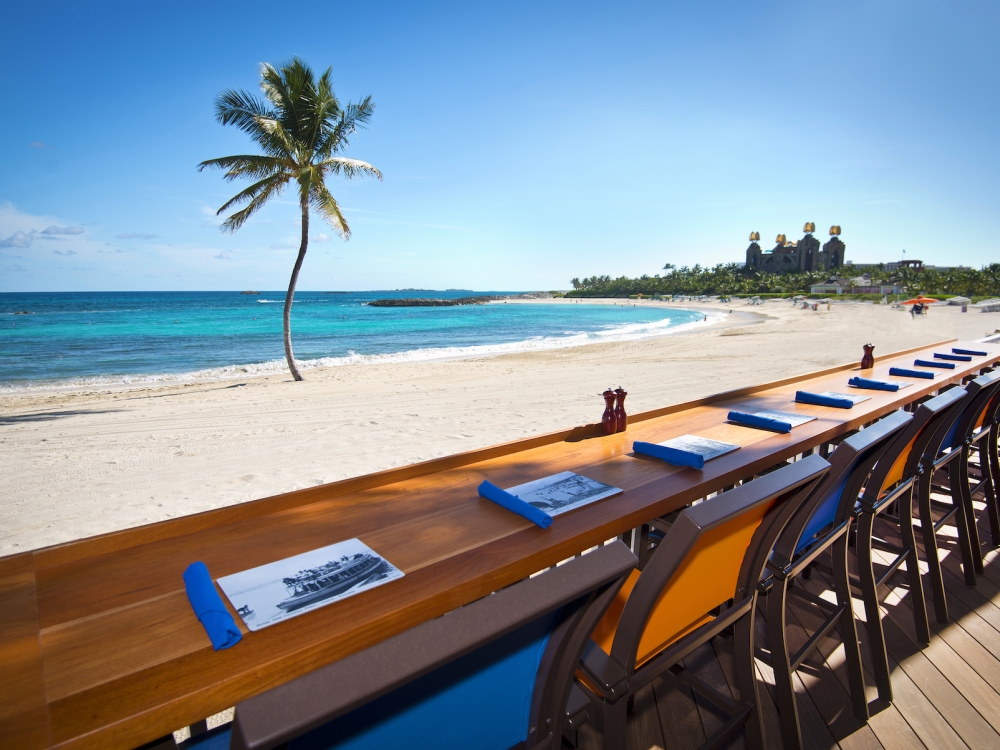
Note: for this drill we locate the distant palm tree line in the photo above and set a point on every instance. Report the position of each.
(302, 128)
(734, 278)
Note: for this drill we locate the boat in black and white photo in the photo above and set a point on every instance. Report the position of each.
(329, 580)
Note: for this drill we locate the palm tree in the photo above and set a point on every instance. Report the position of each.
(301, 128)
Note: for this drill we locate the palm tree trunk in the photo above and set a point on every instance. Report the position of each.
(291, 290)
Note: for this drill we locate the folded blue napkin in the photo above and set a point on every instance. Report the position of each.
(208, 606)
(952, 357)
(873, 385)
(904, 373)
(973, 352)
(514, 504)
(764, 423)
(805, 397)
(673, 456)
(928, 363)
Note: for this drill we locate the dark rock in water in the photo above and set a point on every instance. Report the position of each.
(436, 302)
(425, 302)
(250, 291)
(24, 312)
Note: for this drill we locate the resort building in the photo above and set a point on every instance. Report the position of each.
(797, 257)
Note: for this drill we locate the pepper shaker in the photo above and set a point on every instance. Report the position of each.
(868, 361)
(609, 423)
(621, 418)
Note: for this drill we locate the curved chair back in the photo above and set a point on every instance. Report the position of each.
(713, 553)
(902, 458)
(833, 501)
(496, 673)
(968, 417)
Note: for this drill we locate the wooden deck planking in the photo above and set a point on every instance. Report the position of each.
(946, 695)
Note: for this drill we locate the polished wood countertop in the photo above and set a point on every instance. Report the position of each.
(99, 647)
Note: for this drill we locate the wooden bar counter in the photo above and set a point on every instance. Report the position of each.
(99, 647)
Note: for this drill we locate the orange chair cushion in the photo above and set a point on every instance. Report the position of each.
(706, 579)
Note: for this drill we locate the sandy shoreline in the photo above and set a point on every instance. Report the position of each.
(87, 461)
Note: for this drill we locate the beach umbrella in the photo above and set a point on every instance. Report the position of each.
(920, 300)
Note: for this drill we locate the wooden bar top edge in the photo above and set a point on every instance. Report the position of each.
(117, 540)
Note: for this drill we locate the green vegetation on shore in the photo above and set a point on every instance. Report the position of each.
(734, 279)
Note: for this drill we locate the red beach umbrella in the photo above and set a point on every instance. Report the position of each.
(920, 300)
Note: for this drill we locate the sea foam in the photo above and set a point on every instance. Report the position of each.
(609, 333)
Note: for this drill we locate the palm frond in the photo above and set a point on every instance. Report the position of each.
(326, 206)
(335, 139)
(252, 166)
(280, 141)
(241, 109)
(272, 187)
(301, 127)
(349, 168)
(249, 193)
(359, 114)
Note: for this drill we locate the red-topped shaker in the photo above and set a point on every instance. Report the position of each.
(621, 418)
(609, 424)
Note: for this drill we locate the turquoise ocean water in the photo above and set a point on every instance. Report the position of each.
(95, 338)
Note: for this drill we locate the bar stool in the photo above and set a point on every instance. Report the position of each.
(949, 451)
(891, 484)
(701, 580)
(822, 523)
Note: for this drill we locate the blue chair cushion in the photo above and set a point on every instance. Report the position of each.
(824, 515)
(481, 700)
(213, 739)
(952, 436)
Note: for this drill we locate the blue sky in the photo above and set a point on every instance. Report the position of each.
(522, 143)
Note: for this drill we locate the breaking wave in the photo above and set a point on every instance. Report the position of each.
(610, 333)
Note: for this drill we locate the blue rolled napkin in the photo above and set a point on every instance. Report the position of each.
(673, 456)
(764, 423)
(873, 385)
(973, 352)
(904, 373)
(952, 357)
(514, 504)
(927, 363)
(208, 606)
(805, 397)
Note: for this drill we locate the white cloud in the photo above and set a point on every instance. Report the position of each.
(136, 236)
(223, 256)
(68, 252)
(16, 268)
(321, 237)
(19, 239)
(53, 229)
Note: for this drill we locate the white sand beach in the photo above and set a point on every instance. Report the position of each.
(85, 462)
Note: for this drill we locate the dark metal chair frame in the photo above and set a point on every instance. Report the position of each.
(873, 504)
(616, 675)
(854, 457)
(979, 395)
(582, 587)
(989, 462)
